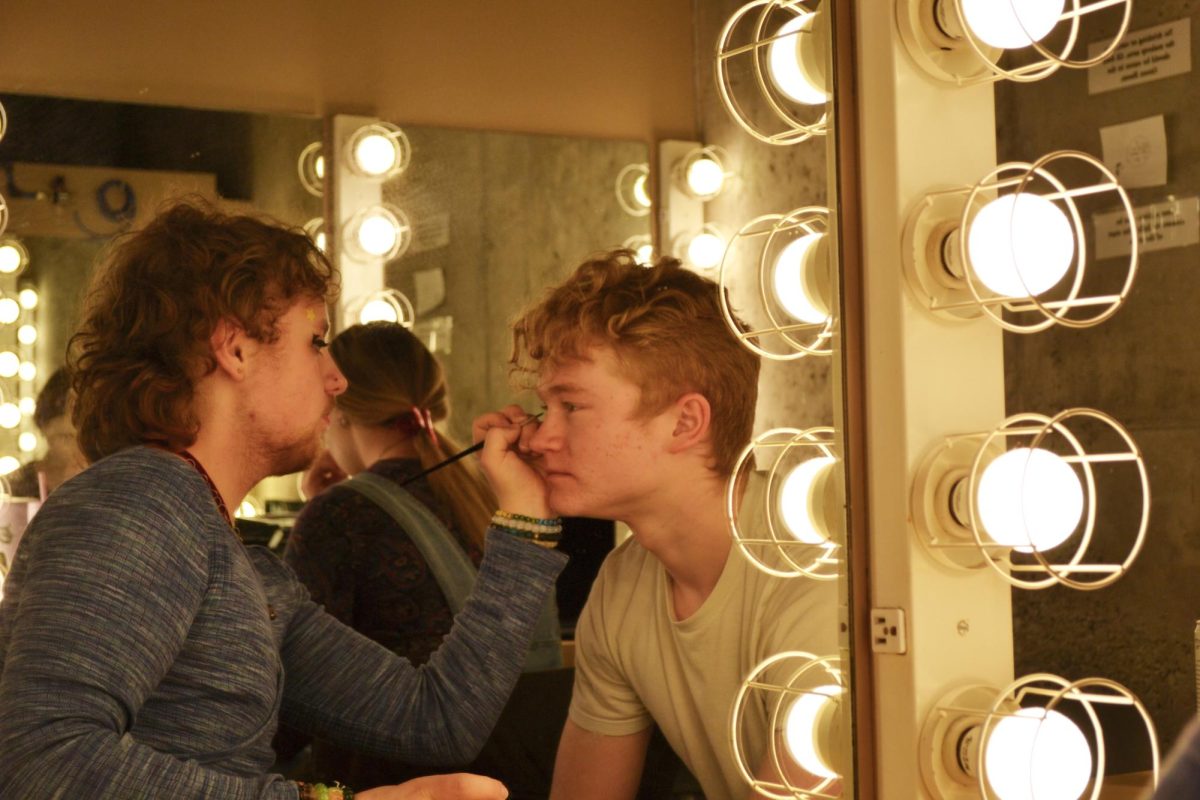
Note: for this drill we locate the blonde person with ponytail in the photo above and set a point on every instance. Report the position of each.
(390, 552)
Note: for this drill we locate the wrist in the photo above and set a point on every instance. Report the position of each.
(542, 531)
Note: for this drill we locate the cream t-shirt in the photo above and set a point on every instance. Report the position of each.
(636, 664)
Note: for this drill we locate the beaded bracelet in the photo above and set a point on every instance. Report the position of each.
(319, 791)
(542, 532)
(552, 522)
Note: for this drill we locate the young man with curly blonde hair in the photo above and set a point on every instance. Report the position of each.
(145, 651)
(649, 399)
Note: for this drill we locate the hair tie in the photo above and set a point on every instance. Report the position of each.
(424, 421)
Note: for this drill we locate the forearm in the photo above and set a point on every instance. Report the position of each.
(442, 712)
(591, 766)
(66, 759)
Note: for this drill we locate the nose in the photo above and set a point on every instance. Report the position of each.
(335, 381)
(547, 437)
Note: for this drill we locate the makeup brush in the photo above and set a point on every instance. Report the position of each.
(475, 448)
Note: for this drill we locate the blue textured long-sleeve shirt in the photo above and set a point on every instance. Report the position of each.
(147, 653)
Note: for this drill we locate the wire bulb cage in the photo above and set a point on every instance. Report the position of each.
(385, 305)
(3, 215)
(786, 98)
(789, 522)
(378, 151)
(3, 121)
(311, 167)
(633, 189)
(1041, 736)
(1013, 247)
(788, 714)
(974, 41)
(702, 173)
(380, 231)
(795, 297)
(1023, 499)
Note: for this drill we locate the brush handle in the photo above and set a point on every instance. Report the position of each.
(475, 448)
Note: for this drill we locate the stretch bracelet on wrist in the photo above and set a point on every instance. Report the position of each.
(319, 791)
(514, 522)
(550, 522)
(542, 539)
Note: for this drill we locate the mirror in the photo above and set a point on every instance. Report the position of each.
(1138, 367)
(495, 217)
(775, 124)
(77, 172)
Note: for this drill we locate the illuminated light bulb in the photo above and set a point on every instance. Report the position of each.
(1021, 245)
(9, 310)
(803, 731)
(797, 286)
(376, 154)
(378, 235)
(8, 464)
(645, 255)
(27, 371)
(1030, 499)
(10, 415)
(379, 310)
(705, 250)
(705, 177)
(785, 64)
(27, 442)
(247, 510)
(640, 194)
(27, 405)
(319, 167)
(1037, 754)
(799, 502)
(11, 258)
(321, 240)
(28, 298)
(10, 364)
(1010, 24)
(27, 334)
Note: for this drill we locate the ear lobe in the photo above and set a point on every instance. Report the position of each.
(693, 418)
(228, 343)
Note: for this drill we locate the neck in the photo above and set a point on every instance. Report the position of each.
(687, 532)
(378, 443)
(232, 476)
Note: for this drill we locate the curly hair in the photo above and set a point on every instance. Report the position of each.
(665, 326)
(390, 372)
(143, 340)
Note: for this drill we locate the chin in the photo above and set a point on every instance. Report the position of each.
(296, 458)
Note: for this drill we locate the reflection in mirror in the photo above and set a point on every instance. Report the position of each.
(77, 173)
(492, 218)
(1139, 367)
(769, 110)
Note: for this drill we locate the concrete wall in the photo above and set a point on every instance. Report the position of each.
(619, 69)
(1143, 367)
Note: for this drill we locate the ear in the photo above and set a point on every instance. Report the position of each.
(693, 418)
(228, 342)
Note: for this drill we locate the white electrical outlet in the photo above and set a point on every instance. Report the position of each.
(887, 631)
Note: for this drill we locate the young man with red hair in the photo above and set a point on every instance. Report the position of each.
(649, 399)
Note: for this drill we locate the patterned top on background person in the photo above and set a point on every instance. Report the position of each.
(362, 566)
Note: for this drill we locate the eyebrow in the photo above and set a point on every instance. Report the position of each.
(559, 389)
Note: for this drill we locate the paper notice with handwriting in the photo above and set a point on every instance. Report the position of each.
(1143, 56)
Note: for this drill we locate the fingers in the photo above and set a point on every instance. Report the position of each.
(465, 786)
(459, 786)
(506, 417)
